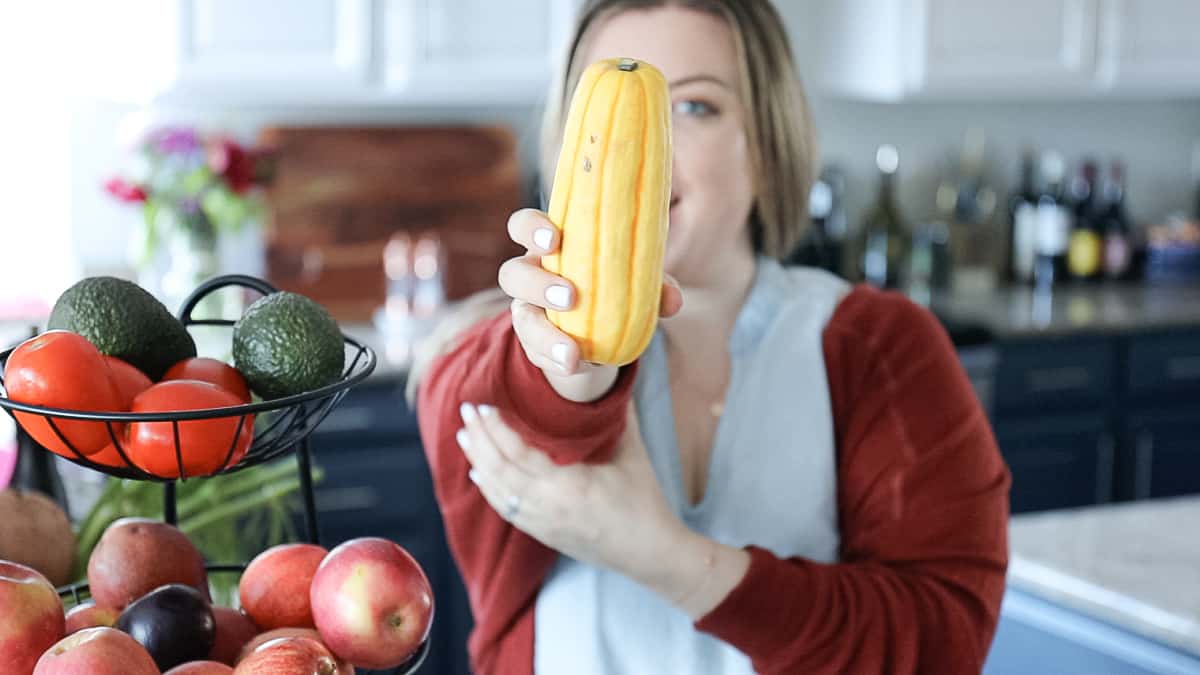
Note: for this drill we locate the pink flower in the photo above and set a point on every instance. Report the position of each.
(124, 190)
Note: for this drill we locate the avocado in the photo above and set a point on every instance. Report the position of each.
(286, 344)
(125, 321)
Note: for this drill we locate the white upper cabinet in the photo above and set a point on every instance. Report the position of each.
(273, 50)
(993, 47)
(946, 49)
(367, 52)
(1150, 46)
(472, 51)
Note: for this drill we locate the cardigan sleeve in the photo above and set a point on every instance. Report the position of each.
(923, 508)
(501, 566)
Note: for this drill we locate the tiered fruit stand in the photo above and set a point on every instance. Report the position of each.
(282, 426)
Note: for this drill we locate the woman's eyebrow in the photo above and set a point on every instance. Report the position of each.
(700, 78)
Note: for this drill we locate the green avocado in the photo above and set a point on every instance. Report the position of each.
(286, 344)
(125, 321)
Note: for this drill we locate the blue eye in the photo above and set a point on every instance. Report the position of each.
(695, 108)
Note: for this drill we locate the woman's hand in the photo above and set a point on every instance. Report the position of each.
(534, 290)
(612, 515)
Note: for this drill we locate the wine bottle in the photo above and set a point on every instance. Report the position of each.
(1022, 219)
(885, 240)
(1118, 235)
(1053, 224)
(1085, 252)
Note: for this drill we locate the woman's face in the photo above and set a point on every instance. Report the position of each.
(712, 186)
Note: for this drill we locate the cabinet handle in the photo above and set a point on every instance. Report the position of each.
(349, 499)
(346, 419)
(1106, 450)
(1059, 379)
(1143, 448)
(1183, 368)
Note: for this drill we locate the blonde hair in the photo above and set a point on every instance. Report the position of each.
(778, 127)
(778, 123)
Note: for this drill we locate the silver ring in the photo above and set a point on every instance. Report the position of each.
(512, 506)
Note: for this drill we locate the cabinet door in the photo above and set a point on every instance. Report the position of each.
(262, 49)
(1057, 462)
(1149, 46)
(1020, 46)
(472, 51)
(1161, 454)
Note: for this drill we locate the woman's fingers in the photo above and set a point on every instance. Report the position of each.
(672, 297)
(524, 279)
(533, 230)
(509, 443)
(546, 347)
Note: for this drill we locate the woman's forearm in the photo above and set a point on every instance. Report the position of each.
(693, 572)
(586, 386)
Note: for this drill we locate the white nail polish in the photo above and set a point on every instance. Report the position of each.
(559, 353)
(474, 476)
(467, 412)
(559, 296)
(463, 438)
(487, 410)
(543, 238)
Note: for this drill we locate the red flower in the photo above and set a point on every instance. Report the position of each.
(233, 163)
(124, 190)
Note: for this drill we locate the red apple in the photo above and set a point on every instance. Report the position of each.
(137, 555)
(96, 651)
(372, 603)
(234, 630)
(31, 617)
(289, 655)
(90, 615)
(200, 668)
(274, 587)
(344, 668)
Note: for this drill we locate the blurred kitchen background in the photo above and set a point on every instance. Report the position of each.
(1029, 170)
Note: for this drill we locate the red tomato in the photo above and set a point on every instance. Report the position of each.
(129, 382)
(203, 444)
(210, 370)
(61, 369)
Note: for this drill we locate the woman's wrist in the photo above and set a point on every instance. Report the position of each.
(584, 387)
(695, 573)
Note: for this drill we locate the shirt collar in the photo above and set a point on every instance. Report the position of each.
(767, 294)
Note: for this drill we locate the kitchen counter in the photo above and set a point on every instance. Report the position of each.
(1135, 565)
(1017, 312)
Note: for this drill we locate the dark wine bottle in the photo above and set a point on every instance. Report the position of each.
(1118, 234)
(1085, 252)
(1053, 225)
(885, 239)
(1022, 220)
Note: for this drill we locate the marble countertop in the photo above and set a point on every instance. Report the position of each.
(1136, 565)
(1100, 308)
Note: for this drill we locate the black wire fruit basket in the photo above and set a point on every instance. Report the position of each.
(279, 426)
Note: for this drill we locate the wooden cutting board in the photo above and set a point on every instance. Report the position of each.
(339, 193)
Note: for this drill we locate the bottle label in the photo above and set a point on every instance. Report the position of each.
(1085, 254)
(1024, 240)
(1116, 255)
(1053, 228)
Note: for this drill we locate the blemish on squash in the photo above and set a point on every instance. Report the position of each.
(587, 164)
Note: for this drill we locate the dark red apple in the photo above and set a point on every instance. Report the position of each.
(136, 556)
(174, 623)
(234, 631)
(344, 668)
(90, 615)
(289, 655)
(372, 603)
(201, 668)
(274, 588)
(31, 617)
(96, 651)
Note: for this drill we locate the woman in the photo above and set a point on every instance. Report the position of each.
(795, 477)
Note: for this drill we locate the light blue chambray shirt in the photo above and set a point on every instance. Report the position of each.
(772, 482)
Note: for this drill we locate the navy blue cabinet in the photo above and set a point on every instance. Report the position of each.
(1058, 461)
(377, 484)
(1088, 419)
